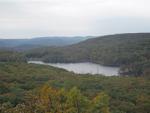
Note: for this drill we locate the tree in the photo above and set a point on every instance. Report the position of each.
(100, 104)
(76, 102)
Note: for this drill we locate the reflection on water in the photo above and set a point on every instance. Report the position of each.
(83, 68)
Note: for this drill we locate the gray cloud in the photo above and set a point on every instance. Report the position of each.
(31, 18)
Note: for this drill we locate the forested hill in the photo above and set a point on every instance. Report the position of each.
(129, 51)
(25, 44)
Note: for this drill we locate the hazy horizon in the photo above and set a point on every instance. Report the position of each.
(73, 36)
(20, 19)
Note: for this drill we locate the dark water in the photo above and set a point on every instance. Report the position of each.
(83, 68)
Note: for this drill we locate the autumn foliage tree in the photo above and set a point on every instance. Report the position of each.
(50, 100)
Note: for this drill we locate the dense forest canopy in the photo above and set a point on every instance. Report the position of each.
(129, 51)
(31, 88)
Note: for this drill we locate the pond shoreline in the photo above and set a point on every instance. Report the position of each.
(83, 68)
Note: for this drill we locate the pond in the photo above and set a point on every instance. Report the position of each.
(83, 68)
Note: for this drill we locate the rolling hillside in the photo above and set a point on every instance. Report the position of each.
(25, 44)
(25, 88)
(129, 51)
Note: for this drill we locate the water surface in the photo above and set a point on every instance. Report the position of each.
(83, 68)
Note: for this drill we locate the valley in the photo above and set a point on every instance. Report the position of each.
(130, 52)
(43, 86)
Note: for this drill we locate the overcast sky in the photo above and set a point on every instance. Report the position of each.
(36, 18)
